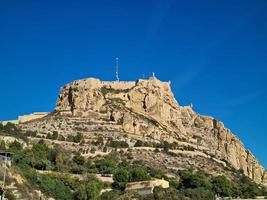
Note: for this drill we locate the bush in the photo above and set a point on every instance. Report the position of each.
(13, 130)
(78, 159)
(139, 174)
(222, 186)
(106, 166)
(105, 149)
(156, 172)
(49, 185)
(99, 141)
(76, 138)
(248, 189)
(54, 187)
(121, 178)
(15, 146)
(90, 191)
(54, 136)
(77, 169)
(2, 145)
(31, 133)
(117, 144)
(61, 138)
(193, 180)
(139, 143)
(165, 145)
(199, 194)
(169, 193)
(111, 195)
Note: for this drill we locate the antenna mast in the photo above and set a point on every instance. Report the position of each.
(117, 69)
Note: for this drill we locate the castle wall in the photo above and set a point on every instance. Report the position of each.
(32, 116)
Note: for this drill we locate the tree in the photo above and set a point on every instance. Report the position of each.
(10, 128)
(78, 138)
(54, 135)
(139, 174)
(54, 187)
(40, 150)
(222, 186)
(248, 189)
(168, 194)
(99, 141)
(117, 144)
(199, 194)
(156, 172)
(121, 178)
(41, 154)
(89, 191)
(111, 195)
(105, 149)
(48, 136)
(93, 190)
(78, 159)
(80, 194)
(106, 166)
(193, 180)
(2, 145)
(15, 146)
(139, 143)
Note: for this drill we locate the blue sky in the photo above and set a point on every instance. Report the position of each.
(214, 53)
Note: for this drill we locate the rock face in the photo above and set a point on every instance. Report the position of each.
(147, 109)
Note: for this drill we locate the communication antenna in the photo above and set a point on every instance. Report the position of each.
(117, 69)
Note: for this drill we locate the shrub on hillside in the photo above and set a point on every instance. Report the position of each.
(117, 144)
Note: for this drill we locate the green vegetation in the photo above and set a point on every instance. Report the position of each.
(41, 157)
(2, 145)
(247, 188)
(90, 190)
(199, 194)
(99, 141)
(140, 143)
(117, 144)
(126, 174)
(196, 183)
(11, 129)
(222, 186)
(54, 135)
(112, 195)
(75, 138)
(166, 146)
(169, 193)
(194, 180)
(58, 167)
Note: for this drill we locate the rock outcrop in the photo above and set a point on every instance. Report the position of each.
(147, 109)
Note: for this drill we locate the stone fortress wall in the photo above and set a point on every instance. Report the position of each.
(26, 118)
(32, 116)
(117, 85)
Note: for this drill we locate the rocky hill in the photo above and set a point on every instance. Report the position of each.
(146, 110)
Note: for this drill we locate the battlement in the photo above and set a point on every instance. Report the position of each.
(119, 85)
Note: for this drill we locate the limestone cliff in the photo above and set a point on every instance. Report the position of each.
(147, 109)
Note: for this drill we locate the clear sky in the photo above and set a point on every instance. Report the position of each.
(214, 53)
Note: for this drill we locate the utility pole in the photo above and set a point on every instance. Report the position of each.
(117, 69)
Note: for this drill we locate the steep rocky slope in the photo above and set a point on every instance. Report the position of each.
(147, 110)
